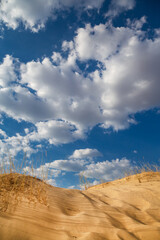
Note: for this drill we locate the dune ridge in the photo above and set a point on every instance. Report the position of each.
(128, 208)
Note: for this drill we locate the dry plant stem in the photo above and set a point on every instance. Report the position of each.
(133, 171)
(15, 186)
(84, 181)
(143, 168)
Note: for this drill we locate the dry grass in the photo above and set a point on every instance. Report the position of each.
(15, 186)
(85, 183)
(141, 169)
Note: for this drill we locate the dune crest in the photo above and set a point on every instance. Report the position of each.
(128, 208)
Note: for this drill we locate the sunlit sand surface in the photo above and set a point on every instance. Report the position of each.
(123, 209)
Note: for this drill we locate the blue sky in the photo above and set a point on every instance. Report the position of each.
(79, 87)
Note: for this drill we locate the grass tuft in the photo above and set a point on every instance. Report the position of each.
(16, 185)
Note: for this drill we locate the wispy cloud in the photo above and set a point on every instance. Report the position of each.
(34, 14)
(118, 6)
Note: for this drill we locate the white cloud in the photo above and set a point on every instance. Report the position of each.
(11, 146)
(137, 23)
(3, 133)
(85, 153)
(99, 171)
(100, 42)
(43, 172)
(107, 170)
(86, 183)
(66, 97)
(157, 32)
(1, 119)
(131, 74)
(51, 182)
(119, 6)
(126, 4)
(7, 71)
(19, 103)
(68, 165)
(95, 182)
(56, 132)
(72, 187)
(34, 14)
(65, 102)
(26, 130)
(75, 163)
(39, 146)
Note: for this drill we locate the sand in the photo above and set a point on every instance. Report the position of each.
(123, 209)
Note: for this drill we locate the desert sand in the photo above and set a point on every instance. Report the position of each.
(128, 208)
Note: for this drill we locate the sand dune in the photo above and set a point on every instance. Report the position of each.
(123, 209)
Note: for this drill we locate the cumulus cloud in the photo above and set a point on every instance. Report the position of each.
(56, 132)
(75, 163)
(119, 6)
(130, 70)
(97, 171)
(18, 102)
(81, 165)
(68, 165)
(107, 170)
(85, 153)
(100, 42)
(34, 14)
(7, 71)
(65, 102)
(11, 146)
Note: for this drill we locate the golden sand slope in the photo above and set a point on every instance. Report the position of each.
(123, 209)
